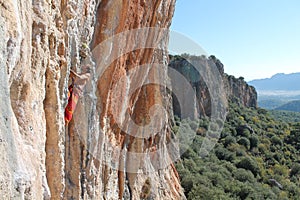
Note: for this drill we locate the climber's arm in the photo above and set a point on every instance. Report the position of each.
(73, 74)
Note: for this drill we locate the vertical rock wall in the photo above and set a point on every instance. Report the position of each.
(42, 158)
(235, 89)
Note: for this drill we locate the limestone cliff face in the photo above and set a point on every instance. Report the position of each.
(239, 91)
(91, 158)
(234, 89)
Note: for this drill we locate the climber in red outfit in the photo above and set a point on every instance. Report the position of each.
(75, 91)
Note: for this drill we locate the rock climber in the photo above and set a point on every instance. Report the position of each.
(76, 91)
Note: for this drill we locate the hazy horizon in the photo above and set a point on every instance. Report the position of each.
(274, 75)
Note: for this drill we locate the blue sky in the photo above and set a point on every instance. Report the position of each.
(252, 38)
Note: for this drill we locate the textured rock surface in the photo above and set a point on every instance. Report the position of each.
(235, 89)
(40, 41)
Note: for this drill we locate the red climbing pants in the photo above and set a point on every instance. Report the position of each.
(72, 102)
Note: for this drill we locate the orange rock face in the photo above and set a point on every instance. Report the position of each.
(118, 144)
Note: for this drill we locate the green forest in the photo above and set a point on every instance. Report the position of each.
(256, 157)
(285, 116)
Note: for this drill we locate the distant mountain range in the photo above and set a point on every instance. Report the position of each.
(280, 81)
(271, 103)
(290, 106)
(280, 92)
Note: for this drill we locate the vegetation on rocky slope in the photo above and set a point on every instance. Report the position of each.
(256, 157)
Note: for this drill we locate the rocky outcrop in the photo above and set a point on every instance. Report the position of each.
(234, 89)
(100, 154)
(240, 92)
